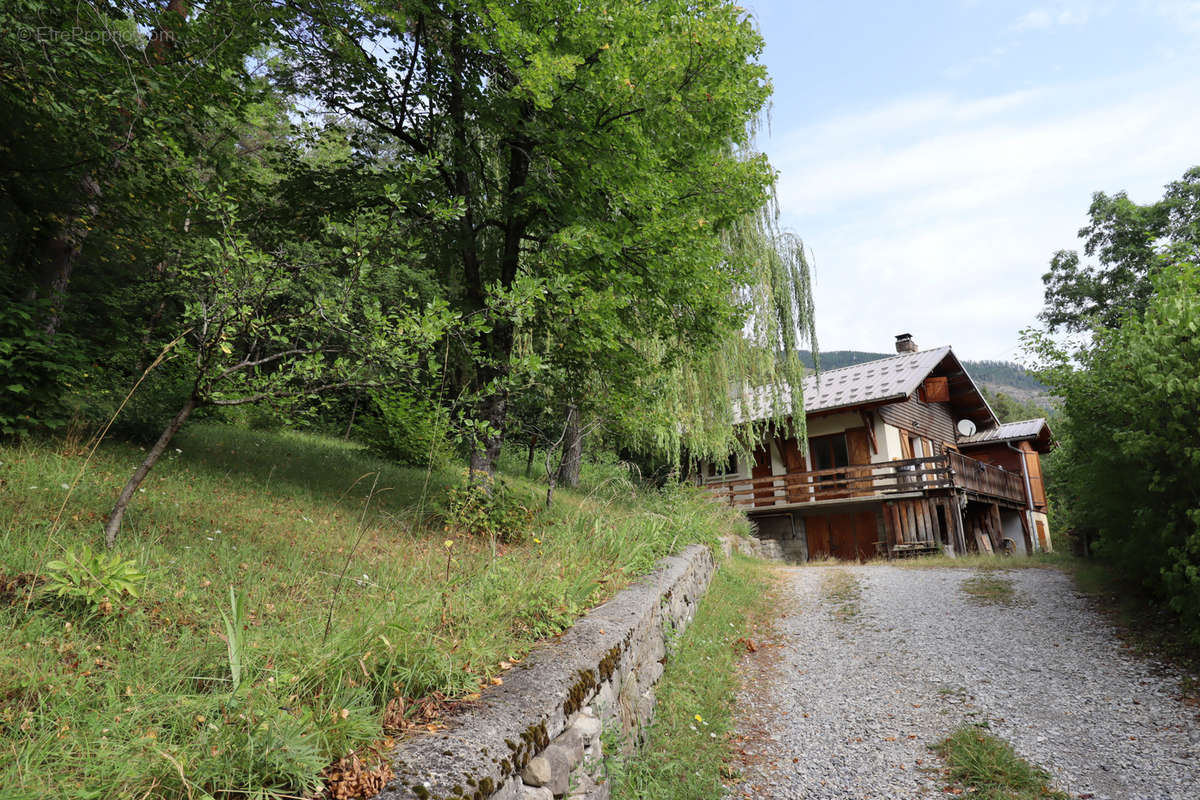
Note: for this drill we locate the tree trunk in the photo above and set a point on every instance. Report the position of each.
(58, 253)
(114, 517)
(572, 454)
(493, 409)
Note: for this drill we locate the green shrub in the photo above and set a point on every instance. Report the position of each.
(34, 372)
(487, 509)
(96, 580)
(409, 430)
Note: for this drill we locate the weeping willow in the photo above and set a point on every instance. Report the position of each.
(724, 399)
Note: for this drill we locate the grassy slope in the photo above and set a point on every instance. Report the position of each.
(687, 746)
(139, 702)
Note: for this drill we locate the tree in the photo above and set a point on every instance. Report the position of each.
(105, 120)
(1012, 409)
(591, 152)
(1131, 470)
(289, 323)
(94, 105)
(1130, 243)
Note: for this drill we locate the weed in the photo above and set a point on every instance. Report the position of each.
(842, 590)
(990, 589)
(487, 509)
(235, 636)
(94, 579)
(988, 768)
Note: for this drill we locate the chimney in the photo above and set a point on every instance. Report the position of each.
(905, 343)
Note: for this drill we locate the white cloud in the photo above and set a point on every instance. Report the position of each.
(938, 214)
(1036, 19)
(1185, 14)
(1060, 14)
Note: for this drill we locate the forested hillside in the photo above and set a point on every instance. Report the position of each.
(523, 225)
(309, 310)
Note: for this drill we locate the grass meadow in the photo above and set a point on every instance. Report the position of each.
(302, 601)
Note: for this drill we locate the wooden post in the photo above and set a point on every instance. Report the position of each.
(997, 527)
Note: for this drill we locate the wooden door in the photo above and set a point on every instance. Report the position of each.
(794, 464)
(866, 533)
(817, 531)
(842, 542)
(830, 453)
(851, 536)
(764, 491)
(858, 448)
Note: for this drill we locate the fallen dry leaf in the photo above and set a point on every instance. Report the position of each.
(352, 777)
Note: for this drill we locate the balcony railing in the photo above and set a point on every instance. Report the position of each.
(951, 470)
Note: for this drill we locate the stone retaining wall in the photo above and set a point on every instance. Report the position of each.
(537, 736)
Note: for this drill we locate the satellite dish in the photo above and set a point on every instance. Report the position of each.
(966, 427)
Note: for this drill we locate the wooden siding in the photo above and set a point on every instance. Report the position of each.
(924, 520)
(931, 420)
(1001, 455)
(849, 536)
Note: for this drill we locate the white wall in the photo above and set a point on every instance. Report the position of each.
(833, 423)
(1011, 528)
(890, 443)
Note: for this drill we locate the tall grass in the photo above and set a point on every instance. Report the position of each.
(147, 701)
(688, 745)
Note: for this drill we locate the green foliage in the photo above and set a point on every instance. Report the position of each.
(412, 430)
(1011, 409)
(1130, 243)
(487, 508)
(601, 166)
(35, 372)
(235, 637)
(990, 769)
(96, 580)
(1130, 466)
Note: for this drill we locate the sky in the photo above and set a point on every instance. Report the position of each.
(934, 155)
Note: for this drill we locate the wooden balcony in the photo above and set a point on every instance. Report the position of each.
(949, 471)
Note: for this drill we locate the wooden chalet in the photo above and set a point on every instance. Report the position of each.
(903, 456)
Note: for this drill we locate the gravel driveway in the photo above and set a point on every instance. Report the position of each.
(864, 679)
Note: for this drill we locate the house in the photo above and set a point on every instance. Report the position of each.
(903, 456)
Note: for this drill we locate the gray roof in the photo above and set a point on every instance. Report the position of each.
(1007, 432)
(891, 378)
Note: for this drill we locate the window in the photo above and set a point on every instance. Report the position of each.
(915, 446)
(829, 452)
(723, 469)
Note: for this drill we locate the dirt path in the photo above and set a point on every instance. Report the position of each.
(875, 663)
